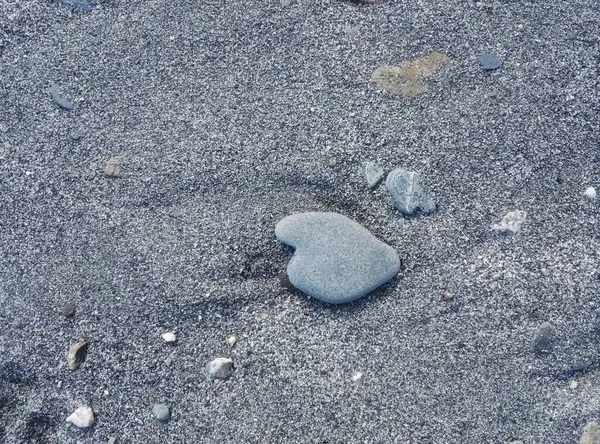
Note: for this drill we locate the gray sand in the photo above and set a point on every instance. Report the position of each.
(230, 115)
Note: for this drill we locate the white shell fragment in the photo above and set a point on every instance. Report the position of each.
(169, 336)
(590, 193)
(511, 222)
(231, 340)
(82, 417)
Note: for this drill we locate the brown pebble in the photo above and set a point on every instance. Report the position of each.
(77, 354)
(68, 309)
(447, 295)
(113, 167)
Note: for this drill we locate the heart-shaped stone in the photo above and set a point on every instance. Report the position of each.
(336, 259)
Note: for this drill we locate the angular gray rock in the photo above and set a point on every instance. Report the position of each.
(336, 259)
(407, 192)
(219, 368)
(511, 223)
(374, 174)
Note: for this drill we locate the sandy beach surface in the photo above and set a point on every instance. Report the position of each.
(197, 125)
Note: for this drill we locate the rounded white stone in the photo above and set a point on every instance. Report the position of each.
(219, 368)
(590, 193)
(82, 417)
(169, 336)
(356, 376)
(231, 340)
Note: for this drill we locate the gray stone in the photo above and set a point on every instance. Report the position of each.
(407, 192)
(374, 174)
(489, 62)
(59, 99)
(161, 412)
(336, 259)
(219, 368)
(511, 223)
(543, 339)
(68, 309)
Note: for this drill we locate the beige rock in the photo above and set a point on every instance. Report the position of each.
(408, 79)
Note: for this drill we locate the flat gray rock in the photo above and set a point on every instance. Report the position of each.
(336, 259)
(407, 192)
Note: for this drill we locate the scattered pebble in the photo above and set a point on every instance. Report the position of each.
(77, 354)
(374, 174)
(489, 62)
(113, 167)
(407, 80)
(82, 417)
(169, 336)
(336, 260)
(78, 5)
(58, 98)
(76, 135)
(356, 376)
(161, 412)
(112, 440)
(590, 434)
(543, 339)
(573, 385)
(407, 192)
(219, 368)
(68, 309)
(447, 295)
(511, 222)
(590, 193)
(175, 212)
(231, 340)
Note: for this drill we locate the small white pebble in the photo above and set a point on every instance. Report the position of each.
(573, 385)
(590, 193)
(169, 336)
(231, 340)
(106, 392)
(356, 376)
(82, 417)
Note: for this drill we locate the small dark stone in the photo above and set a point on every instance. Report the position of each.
(543, 339)
(489, 62)
(68, 309)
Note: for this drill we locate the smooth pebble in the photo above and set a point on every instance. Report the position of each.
(590, 434)
(161, 412)
(489, 62)
(77, 354)
(59, 99)
(169, 336)
(336, 259)
(590, 193)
